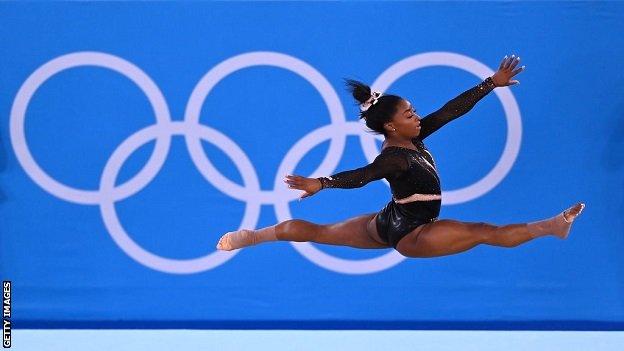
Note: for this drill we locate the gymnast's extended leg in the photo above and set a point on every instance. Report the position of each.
(447, 237)
(354, 232)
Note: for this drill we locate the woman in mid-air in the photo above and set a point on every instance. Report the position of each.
(409, 222)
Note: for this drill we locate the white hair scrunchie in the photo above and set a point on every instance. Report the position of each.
(371, 101)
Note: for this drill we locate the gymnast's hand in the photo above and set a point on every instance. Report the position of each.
(310, 186)
(506, 71)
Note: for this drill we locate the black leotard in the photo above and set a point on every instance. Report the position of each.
(409, 171)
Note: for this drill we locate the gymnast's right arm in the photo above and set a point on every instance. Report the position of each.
(385, 165)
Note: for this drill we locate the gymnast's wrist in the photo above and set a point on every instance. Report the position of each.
(490, 82)
(322, 183)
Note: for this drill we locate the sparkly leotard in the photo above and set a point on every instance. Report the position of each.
(409, 171)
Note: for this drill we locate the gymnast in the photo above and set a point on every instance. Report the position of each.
(409, 223)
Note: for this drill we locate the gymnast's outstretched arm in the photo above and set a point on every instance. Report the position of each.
(455, 108)
(465, 101)
(386, 165)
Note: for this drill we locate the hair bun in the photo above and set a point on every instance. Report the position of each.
(360, 91)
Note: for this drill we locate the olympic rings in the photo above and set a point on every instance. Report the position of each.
(194, 132)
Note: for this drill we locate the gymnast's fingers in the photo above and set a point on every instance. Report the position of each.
(509, 60)
(514, 63)
(294, 186)
(294, 177)
(500, 67)
(517, 70)
(293, 180)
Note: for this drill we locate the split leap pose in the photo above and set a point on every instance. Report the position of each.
(409, 222)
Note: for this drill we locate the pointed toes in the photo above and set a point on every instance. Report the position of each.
(221, 245)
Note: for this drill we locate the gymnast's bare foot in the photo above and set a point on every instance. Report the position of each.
(563, 223)
(236, 240)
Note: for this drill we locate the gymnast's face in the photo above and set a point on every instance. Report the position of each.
(406, 121)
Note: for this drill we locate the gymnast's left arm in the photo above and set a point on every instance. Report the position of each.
(465, 101)
(387, 164)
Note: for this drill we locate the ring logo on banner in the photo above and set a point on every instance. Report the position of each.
(194, 132)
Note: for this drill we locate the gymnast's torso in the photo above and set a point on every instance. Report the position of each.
(418, 177)
(416, 198)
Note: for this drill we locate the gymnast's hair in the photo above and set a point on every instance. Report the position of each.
(377, 114)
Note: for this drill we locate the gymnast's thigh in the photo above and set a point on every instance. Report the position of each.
(442, 237)
(354, 232)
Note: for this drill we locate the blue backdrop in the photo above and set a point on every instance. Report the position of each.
(133, 135)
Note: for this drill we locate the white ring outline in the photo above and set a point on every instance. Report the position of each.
(118, 233)
(57, 65)
(251, 59)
